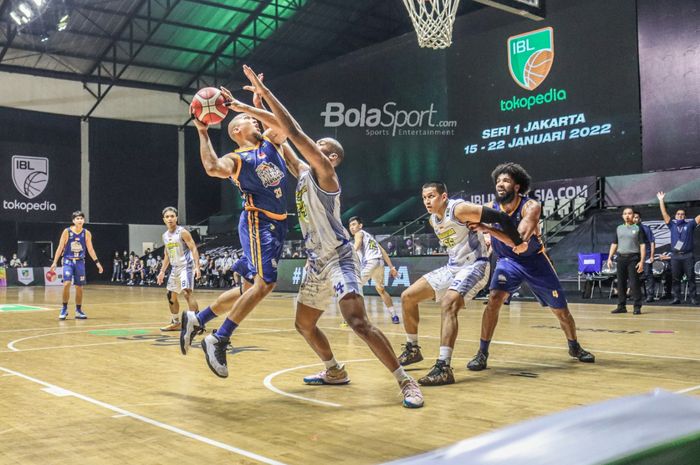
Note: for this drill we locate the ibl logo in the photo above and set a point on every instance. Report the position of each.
(30, 175)
(530, 57)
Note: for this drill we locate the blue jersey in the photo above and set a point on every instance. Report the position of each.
(75, 248)
(261, 178)
(534, 245)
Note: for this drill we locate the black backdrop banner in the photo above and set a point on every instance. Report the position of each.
(39, 166)
(406, 115)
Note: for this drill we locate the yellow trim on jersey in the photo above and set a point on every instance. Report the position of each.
(277, 147)
(247, 149)
(239, 165)
(250, 240)
(271, 215)
(258, 243)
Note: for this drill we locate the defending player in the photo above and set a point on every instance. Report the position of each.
(372, 259)
(180, 253)
(454, 284)
(74, 241)
(332, 267)
(532, 266)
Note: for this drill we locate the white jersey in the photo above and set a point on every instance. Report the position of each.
(319, 218)
(370, 248)
(179, 254)
(463, 245)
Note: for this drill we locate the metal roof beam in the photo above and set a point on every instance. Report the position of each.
(170, 6)
(90, 79)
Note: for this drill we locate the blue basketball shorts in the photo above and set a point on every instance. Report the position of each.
(537, 271)
(74, 270)
(262, 240)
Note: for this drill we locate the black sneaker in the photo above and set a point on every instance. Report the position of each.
(619, 310)
(478, 363)
(637, 311)
(411, 354)
(214, 348)
(582, 355)
(440, 375)
(189, 329)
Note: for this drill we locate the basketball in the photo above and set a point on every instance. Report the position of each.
(50, 276)
(208, 105)
(537, 67)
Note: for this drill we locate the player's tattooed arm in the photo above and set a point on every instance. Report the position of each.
(530, 224)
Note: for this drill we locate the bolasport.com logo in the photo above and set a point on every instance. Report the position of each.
(388, 120)
(30, 175)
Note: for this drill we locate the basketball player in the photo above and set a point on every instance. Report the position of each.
(372, 259)
(454, 284)
(258, 169)
(77, 239)
(181, 253)
(531, 266)
(332, 266)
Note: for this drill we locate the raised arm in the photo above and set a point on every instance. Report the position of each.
(59, 249)
(662, 205)
(91, 250)
(294, 164)
(215, 167)
(319, 163)
(187, 237)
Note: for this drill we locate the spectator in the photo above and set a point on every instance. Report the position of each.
(682, 259)
(25, 264)
(116, 267)
(650, 244)
(3, 261)
(15, 262)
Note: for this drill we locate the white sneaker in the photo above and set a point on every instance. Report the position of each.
(412, 396)
(214, 348)
(333, 375)
(189, 328)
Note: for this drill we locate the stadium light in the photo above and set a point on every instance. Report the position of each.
(63, 22)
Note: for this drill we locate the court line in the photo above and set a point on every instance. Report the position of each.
(537, 346)
(267, 382)
(82, 326)
(150, 421)
(14, 349)
(687, 390)
(11, 344)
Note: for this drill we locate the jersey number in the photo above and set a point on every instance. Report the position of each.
(278, 192)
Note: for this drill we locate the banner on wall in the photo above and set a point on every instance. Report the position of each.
(556, 192)
(641, 189)
(290, 273)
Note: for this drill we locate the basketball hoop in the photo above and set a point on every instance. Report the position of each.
(433, 21)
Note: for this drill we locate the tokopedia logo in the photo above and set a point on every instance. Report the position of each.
(335, 114)
(29, 206)
(517, 103)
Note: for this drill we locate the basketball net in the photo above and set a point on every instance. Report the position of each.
(433, 21)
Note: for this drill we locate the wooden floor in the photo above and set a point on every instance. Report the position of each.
(114, 390)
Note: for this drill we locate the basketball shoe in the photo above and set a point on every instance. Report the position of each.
(189, 328)
(440, 375)
(582, 355)
(79, 315)
(411, 354)
(412, 397)
(395, 319)
(333, 375)
(172, 326)
(214, 348)
(64, 314)
(478, 363)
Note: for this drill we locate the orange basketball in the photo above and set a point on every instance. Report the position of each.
(537, 68)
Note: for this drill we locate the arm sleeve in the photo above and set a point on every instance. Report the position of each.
(489, 215)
